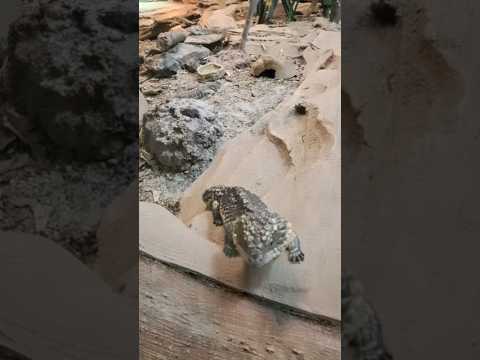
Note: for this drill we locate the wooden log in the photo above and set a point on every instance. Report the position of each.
(54, 307)
(300, 286)
(182, 317)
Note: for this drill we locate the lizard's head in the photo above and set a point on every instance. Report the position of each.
(212, 195)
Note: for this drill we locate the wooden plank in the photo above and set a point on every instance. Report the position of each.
(54, 307)
(166, 238)
(182, 317)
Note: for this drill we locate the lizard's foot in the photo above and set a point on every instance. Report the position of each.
(296, 256)
(230, 251)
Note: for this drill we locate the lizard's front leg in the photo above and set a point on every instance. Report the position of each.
(229, 248)
(295, 254)
(217, 217)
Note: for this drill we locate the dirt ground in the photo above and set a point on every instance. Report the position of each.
(240, 99)
(44, 198)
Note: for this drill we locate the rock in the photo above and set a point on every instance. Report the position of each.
(210, 41)
(182, 133)
(201, 91)
(80, 97)
(164, 19)
(325, 24)
(168, 40)
(270, 349)
(197, 30)
(305, 9)
(178, 28)
(270, 67)
(181, 56)
(219, 21)
(41, 215)
(210, 72)
(151, 90)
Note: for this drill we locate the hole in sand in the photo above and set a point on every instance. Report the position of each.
(268, 73)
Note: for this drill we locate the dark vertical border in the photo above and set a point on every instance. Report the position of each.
(410, 167)
(69, 179)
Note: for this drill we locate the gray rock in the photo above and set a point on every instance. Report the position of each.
(197, 30)
(166, 41)
(182, 133)
(210, 41)
(181, 56)
(79, 89)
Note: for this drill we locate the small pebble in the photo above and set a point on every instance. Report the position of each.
(296, 352)
(270, 349)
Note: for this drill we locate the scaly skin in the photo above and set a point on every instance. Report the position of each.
(361, 328)
(251, 229)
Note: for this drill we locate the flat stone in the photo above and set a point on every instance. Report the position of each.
(210, 40)
(166, 41)
(210, 72)
(183, 55)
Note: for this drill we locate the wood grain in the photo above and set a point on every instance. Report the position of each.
(165, 237)
(54, 307)
(183, 317)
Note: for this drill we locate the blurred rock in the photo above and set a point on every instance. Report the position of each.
(79, 97)
(210, 41)
(182, 133)
(181, 56)
(168, 40)
(197, 30)
(219, 21)
(210, 72)
(164, 19)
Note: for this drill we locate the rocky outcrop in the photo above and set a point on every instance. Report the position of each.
(168, 40)
(286, 144)
(210, 41)
(164, 19)
(291, 159)
(182, 133)
(181, 56)
(218, 20)
(79, 96)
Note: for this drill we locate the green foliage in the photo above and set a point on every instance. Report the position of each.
(330, 9)
(290, 7)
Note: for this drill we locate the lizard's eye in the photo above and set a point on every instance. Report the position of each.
(214, 204)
